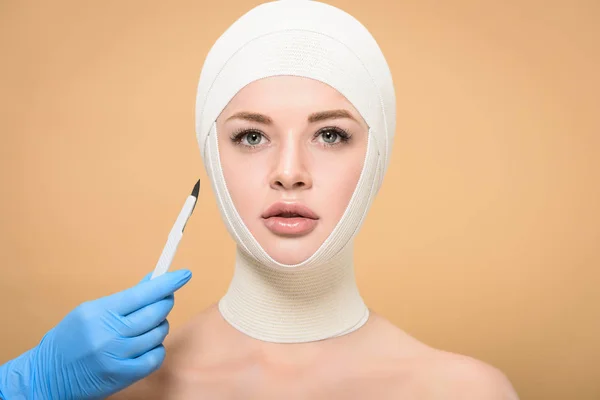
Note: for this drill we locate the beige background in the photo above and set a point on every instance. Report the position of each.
(483, 240)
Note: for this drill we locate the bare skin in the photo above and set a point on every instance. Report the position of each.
(209, 359)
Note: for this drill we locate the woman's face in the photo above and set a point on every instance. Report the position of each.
(292, 150)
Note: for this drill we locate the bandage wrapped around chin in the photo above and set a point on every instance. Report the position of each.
(317, 298)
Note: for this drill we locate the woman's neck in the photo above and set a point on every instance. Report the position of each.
(294, 305)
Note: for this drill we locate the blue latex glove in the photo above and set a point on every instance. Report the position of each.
(100, 347)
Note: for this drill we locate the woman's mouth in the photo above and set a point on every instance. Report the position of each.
(290, 219)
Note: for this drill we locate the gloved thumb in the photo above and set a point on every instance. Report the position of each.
(146, 278)
(147, 292)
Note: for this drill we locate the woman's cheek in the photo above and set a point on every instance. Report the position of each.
(337, 182)
(251, 185)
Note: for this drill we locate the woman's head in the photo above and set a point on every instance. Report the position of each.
(288, 143)
(293, 63)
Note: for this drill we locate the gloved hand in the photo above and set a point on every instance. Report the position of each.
(100, 347)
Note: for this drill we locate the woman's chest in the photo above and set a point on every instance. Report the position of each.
(235, 391)
(256, 384)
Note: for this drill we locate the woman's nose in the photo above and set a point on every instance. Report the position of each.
(290, 170)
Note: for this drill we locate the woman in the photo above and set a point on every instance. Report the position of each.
(295, 123)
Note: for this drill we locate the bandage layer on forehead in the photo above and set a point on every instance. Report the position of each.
(300, 38)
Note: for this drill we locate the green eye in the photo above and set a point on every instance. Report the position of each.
(253, 138)
(248, 138)
(329, 136)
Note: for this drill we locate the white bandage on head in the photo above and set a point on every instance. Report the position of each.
(317, 298)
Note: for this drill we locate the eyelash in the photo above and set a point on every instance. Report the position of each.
(344, 136)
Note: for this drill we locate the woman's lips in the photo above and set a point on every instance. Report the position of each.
(293, 226)
(290, 219)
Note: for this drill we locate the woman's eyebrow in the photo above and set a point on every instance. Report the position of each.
(331, 114)
(251, 116)
(314, 117)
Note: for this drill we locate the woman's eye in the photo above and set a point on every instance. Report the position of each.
(248, 138)
(329, 136)
(253, 138)
(333, 136)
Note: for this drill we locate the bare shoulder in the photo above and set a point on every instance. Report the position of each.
(454, 376)
(437, 374)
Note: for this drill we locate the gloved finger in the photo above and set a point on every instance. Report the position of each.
(146, 278)
(106, 300)
(146, 318)
(135, 369)
(136, 346)
(148, 292)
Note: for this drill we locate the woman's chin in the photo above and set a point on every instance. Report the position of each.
(289, 251)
